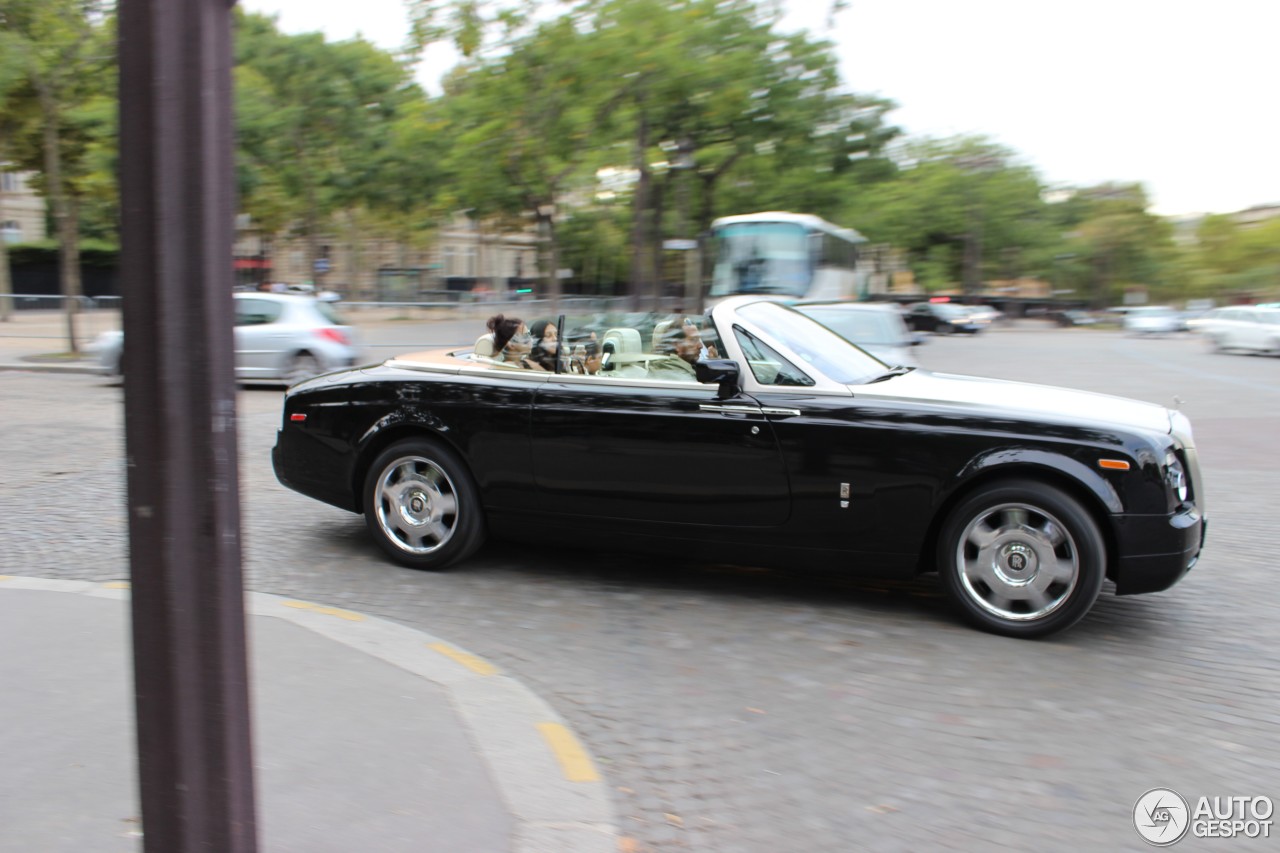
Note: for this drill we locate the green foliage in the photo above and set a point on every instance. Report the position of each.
(701, 106)
(314, 121)
(93, 253)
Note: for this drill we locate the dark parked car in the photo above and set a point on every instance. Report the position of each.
(1073, 317)
(945, 318)
(782, 445)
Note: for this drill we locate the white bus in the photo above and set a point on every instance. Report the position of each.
(789, 254)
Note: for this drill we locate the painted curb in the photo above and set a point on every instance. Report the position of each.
(550, 785)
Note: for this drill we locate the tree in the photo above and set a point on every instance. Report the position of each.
(314, 119)
(1242, 258)
(964, 209)
(1109, 231)
(522, 127)
(10, 78)
(65, 52)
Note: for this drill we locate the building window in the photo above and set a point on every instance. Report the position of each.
(9, 183)
(10, 231)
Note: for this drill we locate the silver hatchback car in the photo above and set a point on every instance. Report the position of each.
(278, 337)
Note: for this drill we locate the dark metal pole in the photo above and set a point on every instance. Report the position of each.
(176, 182)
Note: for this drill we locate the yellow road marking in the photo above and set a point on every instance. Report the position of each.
(480, 666)
(6, 577)
(116, 585)
(327, 611)
(574, 761)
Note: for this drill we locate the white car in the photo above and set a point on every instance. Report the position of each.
(1242, 327)
(1153, 320)
(278, 337)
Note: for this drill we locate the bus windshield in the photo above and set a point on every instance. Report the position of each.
(761, 257)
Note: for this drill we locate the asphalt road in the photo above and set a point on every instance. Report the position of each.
(740, 710)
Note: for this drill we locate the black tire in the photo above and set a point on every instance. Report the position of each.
(301, 367)
(422, 505)
(1021, 558)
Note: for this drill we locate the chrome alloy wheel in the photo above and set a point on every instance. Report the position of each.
(416, 504)
(1017, 562)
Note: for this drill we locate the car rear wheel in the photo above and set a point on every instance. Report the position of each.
(302, 366)
(422, 506)
(1021, 558)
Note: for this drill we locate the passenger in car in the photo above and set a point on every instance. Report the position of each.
(507, 339)
(546, 346)
(546, 350)
(683, 339)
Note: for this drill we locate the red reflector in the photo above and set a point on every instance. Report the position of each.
(336, 335)
(297, 417)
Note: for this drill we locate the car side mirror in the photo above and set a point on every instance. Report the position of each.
(719, 371)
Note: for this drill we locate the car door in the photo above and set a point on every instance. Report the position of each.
(655, 451)
(1250, 332)
(257, 333)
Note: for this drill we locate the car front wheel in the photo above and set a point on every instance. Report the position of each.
(422, 506)
(1021, 558)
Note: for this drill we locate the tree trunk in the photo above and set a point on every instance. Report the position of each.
(69, 254)
(6, 282)
(640, 260)
(64, 219)
(311, 224)
(355, 257)
(551, 255)
(657, 205)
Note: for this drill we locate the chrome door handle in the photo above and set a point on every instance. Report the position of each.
(729, 410)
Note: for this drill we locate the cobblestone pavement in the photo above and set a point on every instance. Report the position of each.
(735, 710)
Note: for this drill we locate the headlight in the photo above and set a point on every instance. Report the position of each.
(1175, 476)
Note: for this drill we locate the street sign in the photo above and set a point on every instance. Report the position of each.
(680, 245)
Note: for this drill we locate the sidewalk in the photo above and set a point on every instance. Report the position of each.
(367, 736)
(32, 340)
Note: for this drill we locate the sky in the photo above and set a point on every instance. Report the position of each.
(1182, 96)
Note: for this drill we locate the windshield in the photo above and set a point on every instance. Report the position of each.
(815, 344)
(877, 328)
(761, 257)
(330, 313)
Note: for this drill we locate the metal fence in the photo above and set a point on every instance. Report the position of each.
(36, 324)
(39, 324)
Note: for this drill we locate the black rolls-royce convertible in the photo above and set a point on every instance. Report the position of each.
(755, 435)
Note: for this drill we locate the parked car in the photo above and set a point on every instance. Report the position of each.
(1153, 320)
(876, 327)
(789, 446)
(944, 318)
(1072, 317)
(278, 337)
(1242, 327)
(986, 313)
